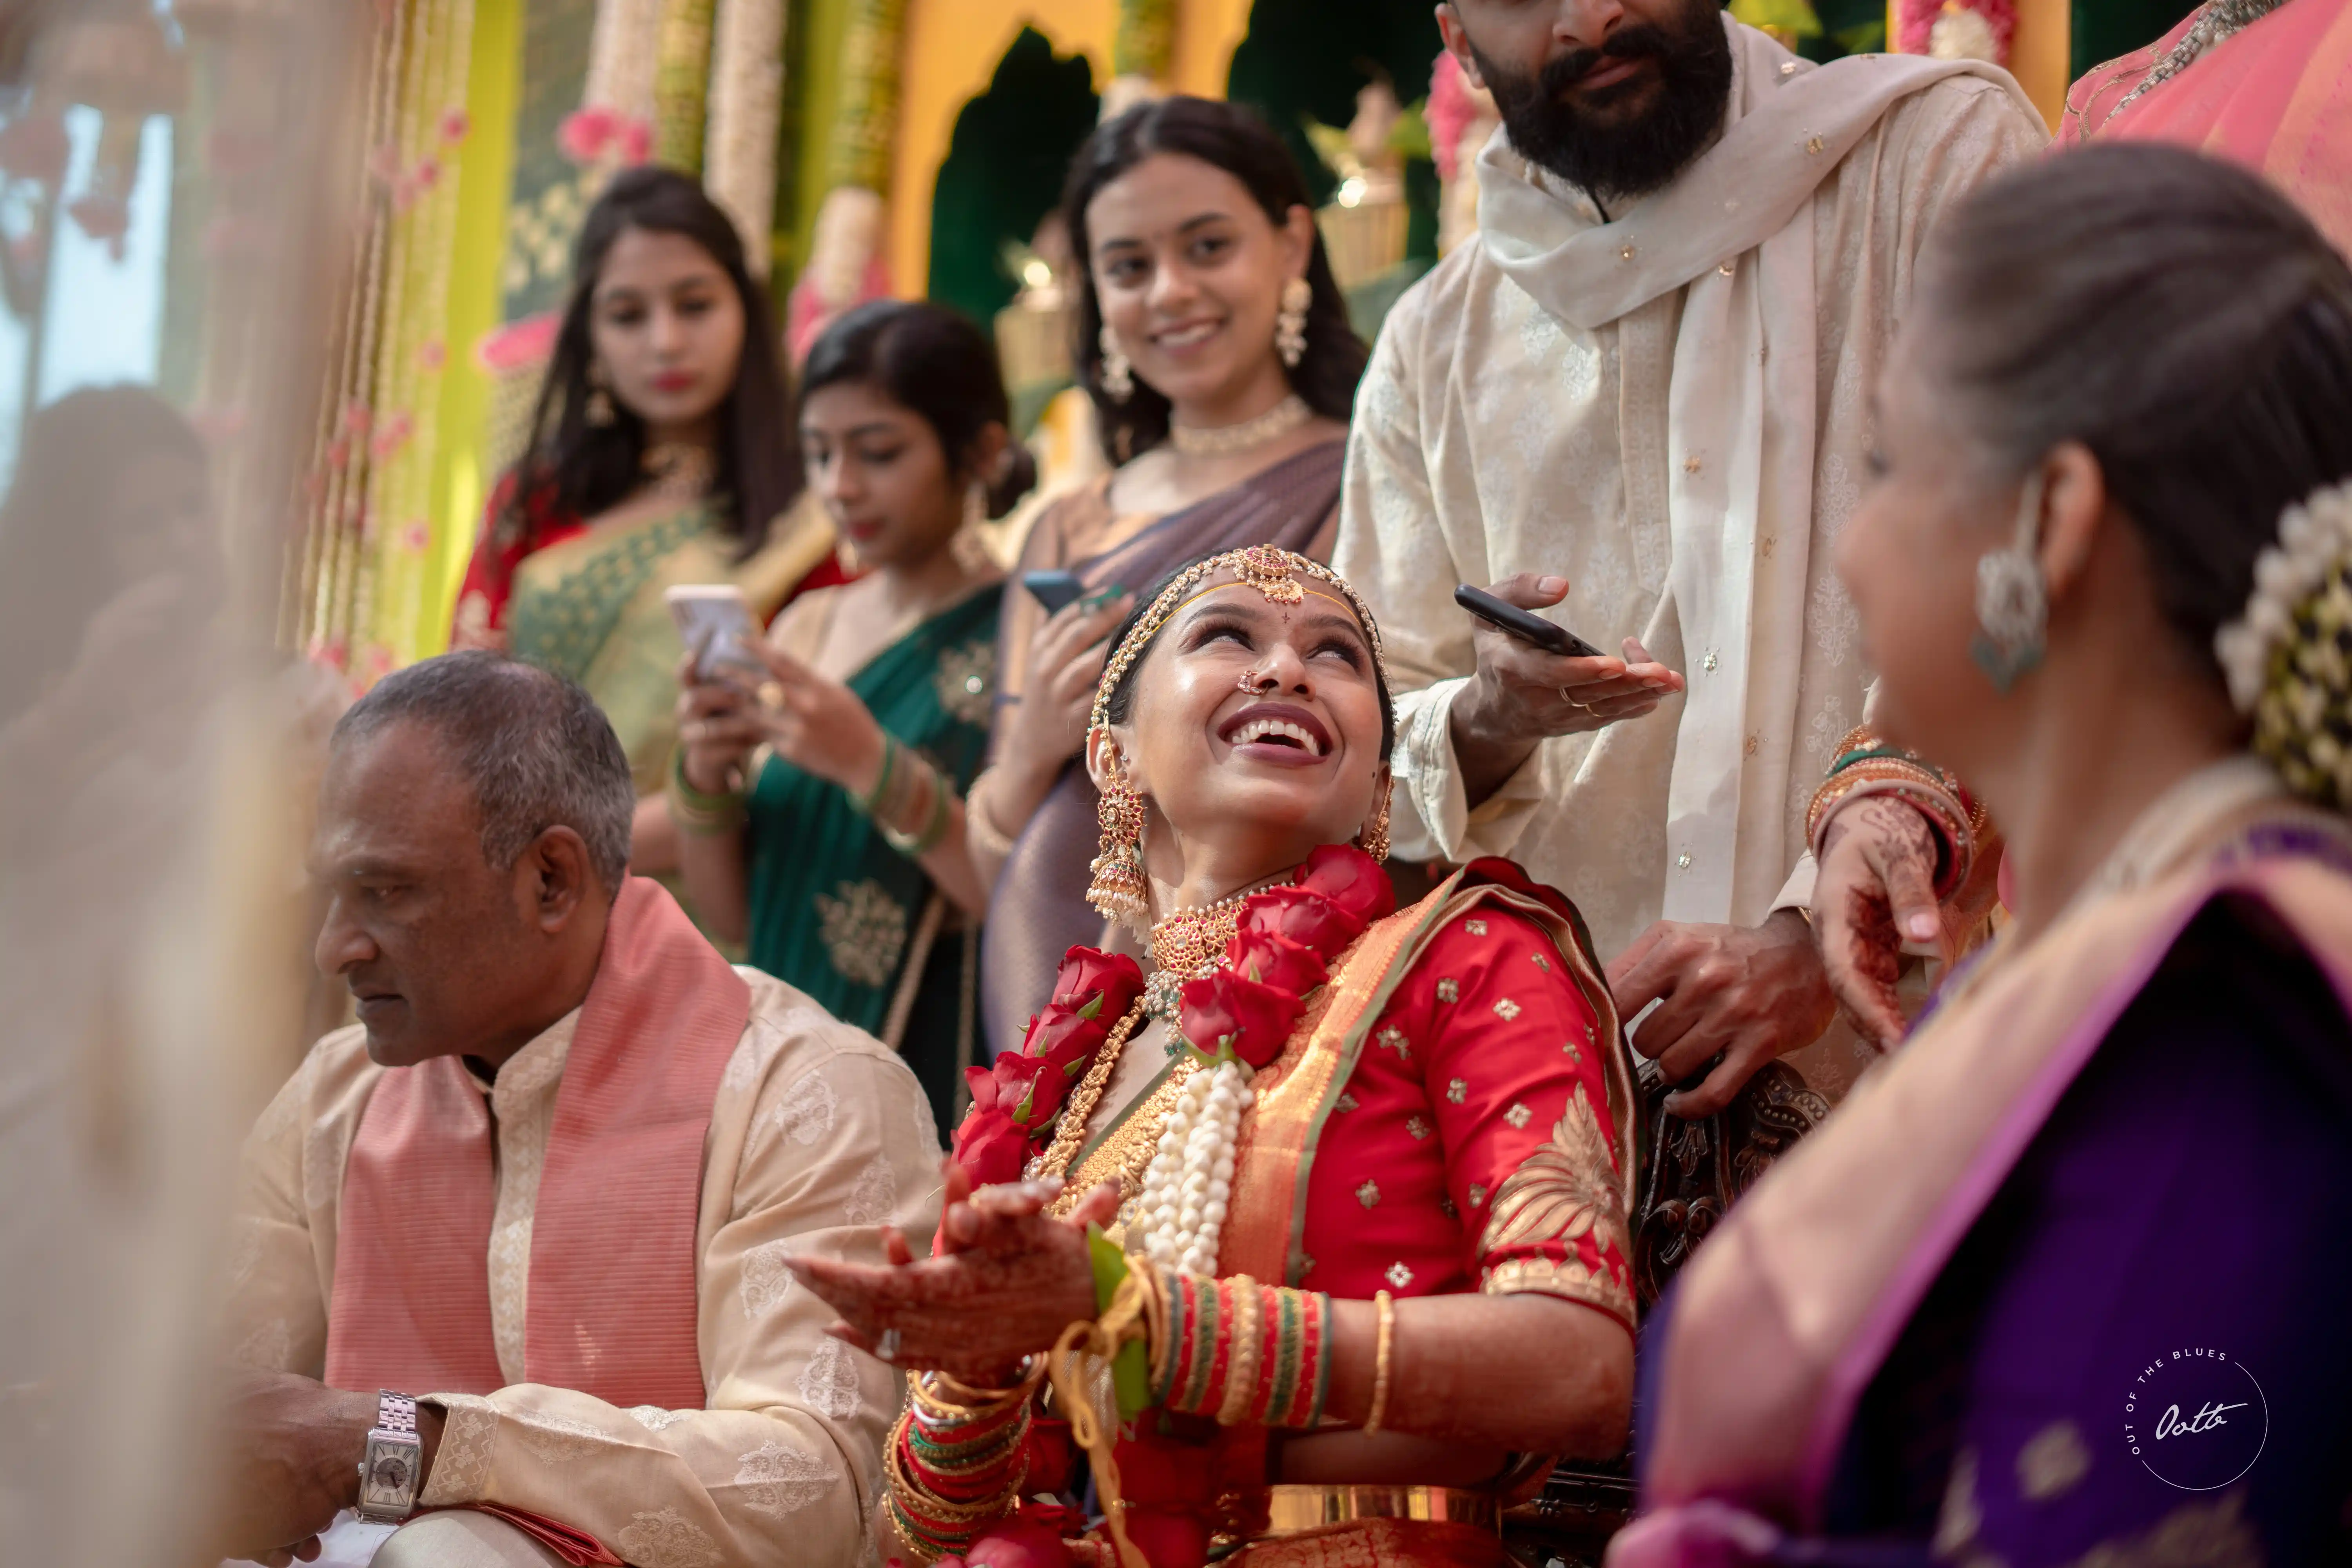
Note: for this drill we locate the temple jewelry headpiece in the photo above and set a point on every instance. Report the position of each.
(1273, 571)
(2288, 658)
(1119, 886)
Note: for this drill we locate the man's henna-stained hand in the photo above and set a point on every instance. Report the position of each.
(1876, 896)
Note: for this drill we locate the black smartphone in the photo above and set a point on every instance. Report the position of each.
(1524, 624)
(1054, 589)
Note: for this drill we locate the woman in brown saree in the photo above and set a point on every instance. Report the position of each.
(1214, 343)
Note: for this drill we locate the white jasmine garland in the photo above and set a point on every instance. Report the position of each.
(1188, 1185)
(2314, 537)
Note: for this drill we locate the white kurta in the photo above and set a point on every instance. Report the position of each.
(1671, 410)
(819, 1136)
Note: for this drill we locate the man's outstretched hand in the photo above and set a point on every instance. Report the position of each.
(1523, 696)
(1749, 993)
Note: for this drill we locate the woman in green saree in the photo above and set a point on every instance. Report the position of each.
(822, 819)
(655, 460)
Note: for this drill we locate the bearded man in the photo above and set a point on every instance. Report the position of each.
(514, 1248)
(1638, 400)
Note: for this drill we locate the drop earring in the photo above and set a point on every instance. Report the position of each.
(1117, 374)
(2013, 599)
(1374, 839)
(1119, 889)
(598, 410)
(1290, 322)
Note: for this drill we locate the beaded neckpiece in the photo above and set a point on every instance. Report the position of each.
(1224, 441)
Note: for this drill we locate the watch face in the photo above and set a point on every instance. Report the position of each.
(389, 1473)
(388, 1478)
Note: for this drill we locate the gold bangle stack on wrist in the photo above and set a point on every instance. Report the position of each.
(957, 1461)
(697, 814)
(1866, 765)
(908, 789)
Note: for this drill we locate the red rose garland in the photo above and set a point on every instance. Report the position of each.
(1014, 1100)
(1288, 938)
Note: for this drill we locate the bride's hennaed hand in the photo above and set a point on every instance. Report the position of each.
(1014, 1279)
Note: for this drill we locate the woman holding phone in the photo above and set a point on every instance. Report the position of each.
(1215, 346)
(653, 462)
(821, 821)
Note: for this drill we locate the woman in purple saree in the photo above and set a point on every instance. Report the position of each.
(2063, 1282)
(1215, 346)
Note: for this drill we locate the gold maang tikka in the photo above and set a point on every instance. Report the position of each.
(1120, 889)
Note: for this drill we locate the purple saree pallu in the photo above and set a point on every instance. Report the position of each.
(1038, 910)
(2060, 1283)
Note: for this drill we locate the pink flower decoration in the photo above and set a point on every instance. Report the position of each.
(1449, 113)
(587, 132)
(391, 435)
(432, 355)
(456, 124)
(339, 452)
(356, 418)
(428, 173)
(416, 538)
(379, 661)
(335, 654)
(636, 142)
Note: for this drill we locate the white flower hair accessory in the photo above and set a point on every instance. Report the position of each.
(2315, 543)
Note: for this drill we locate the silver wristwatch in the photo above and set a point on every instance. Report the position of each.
(394, 1455)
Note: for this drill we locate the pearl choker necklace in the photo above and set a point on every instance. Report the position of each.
(1224, 441)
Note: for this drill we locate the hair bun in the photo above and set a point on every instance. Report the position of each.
(1015, 477)
(2289, 657)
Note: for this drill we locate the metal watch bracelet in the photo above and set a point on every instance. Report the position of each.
(389, 1469)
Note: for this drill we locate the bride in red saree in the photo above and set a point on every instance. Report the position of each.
(1298, 1215)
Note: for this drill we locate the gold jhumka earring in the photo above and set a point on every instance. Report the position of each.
(1374, 839)
(599, 409)
(1119, 889)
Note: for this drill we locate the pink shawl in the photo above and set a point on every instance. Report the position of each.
(612, 1307)
(2276, 97)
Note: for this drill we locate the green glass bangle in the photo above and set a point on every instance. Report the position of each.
(869, 803)
(695, 800)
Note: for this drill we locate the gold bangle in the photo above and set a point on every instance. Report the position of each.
(964, 1397)
(1381, 1347)
(1241, 1369)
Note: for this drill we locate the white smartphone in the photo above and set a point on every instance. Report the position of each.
(719, 628)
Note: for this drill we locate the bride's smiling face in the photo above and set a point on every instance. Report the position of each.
(1252, 722)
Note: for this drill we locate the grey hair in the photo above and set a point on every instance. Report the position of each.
(2173, 313)
(537, 750)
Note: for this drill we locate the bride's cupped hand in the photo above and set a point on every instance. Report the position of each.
(1010, 1278)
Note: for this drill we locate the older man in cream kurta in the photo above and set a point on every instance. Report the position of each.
(818, 1136)
(1667, 406)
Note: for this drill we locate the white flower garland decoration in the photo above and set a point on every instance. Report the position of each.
(1182, 1212)
(2315, 537)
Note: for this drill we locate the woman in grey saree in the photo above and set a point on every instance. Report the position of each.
(1215, 344)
